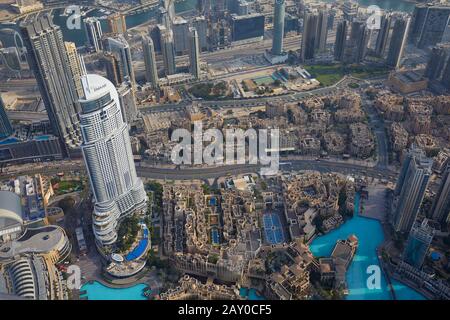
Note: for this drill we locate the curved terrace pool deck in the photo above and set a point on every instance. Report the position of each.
(370, 236)
(140, 249)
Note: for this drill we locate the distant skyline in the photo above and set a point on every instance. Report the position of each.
(398, 5)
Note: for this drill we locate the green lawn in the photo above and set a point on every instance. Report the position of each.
(264, 81)
(328, 75)
(69, 186)
(364, 72)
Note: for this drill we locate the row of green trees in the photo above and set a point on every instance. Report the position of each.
(127, 233)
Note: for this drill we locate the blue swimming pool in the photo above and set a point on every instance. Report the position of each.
(42, 138)
(215, 236)
(140, 248)
(9, 141)
(98, 291)
(370, 236)
(250, 294)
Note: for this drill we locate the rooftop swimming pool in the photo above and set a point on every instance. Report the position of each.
(370, 236)
(98, 291)
(140, 248)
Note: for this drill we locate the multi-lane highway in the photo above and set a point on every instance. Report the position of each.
(291, 165)
(27, 115)
(214, 172)
(19, 85)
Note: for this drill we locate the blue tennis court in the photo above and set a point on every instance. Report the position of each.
(272, 228)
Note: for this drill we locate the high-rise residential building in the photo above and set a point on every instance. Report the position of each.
(232, 6)
(350, 10)
(106, 148)
(291, 23)
(113, 69)
(194, 54)
(221, 33)
(341, 39)
(74, 65)
(168, 52)
(410, 189)
(243, 7)
(331, 18)
(278, 27)
(151, 72)
(445, 81)
(247, 28)
(5, 125)
(417, 22)
(156, 35)
(201, 25)
(398, 41)
(418, 243)
(322, 30)
(439, 56)
(356, 46)
(169, 5)
(446, 34)
(117, 24)
(441, 205)
(180, 28)
(309, 35)
(120, 48)
(163, 17)
(47, 57)
(219, 8)
(206, 8)
(383, 35)
(93, 30)
(429, 22)
(127, 98)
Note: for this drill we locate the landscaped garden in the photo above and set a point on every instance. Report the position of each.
(66, 186)
(329, 74)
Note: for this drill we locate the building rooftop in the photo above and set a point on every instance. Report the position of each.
(40, 240)
(11, 212)
(409, 77)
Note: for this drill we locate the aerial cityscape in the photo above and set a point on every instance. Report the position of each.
(250, 150)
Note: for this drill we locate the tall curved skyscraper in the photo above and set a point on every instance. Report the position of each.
(108, 157)
(278, 27)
